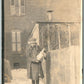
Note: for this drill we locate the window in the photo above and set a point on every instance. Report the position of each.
(16, 41)
(17, 7)
(16, 65)
(22, 7)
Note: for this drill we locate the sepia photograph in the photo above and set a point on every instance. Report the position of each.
(42, 42)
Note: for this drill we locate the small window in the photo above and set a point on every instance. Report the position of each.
(16, 65)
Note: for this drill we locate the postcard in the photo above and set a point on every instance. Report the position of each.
(42, 42)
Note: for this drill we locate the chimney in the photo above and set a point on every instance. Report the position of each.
(49, 12)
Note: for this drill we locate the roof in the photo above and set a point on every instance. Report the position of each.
(57, 22)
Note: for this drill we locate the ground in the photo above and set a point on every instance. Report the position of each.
(20, 77)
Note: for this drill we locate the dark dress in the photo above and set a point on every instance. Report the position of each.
(34, 69)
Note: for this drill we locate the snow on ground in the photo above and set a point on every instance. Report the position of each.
(20, 77)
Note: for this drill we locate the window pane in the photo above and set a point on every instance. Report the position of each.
(12, 10)
(16, 3)
(22, 10)
(17, 11)
(13, 37)
(18, 46)
(14, 46)
(12, 2)
(18, 37)
(22, 2)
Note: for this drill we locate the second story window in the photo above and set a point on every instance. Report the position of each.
(17, 7)
(16, 41)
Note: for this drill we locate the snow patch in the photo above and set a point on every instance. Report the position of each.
(20, 77)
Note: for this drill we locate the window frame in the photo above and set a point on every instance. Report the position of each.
(16, 42)
(19, 8)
